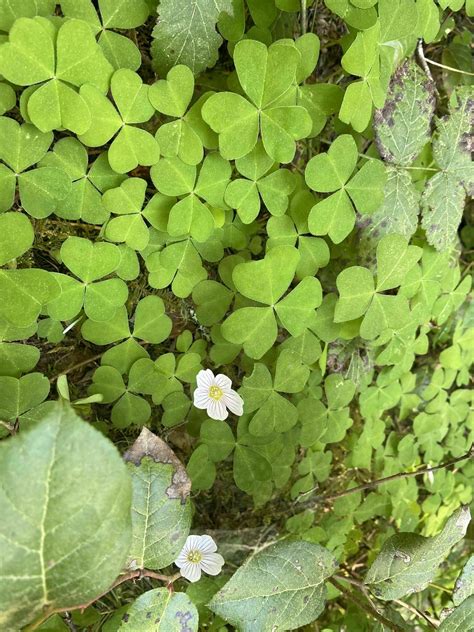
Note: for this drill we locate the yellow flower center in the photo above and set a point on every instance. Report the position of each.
(194, 556)
(215, 392)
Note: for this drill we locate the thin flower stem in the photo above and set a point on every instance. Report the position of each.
(388, 479)
(462, 72)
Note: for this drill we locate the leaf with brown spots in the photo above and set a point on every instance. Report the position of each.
(161, 511)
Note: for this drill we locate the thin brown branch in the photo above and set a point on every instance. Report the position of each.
(394, 477)
(367, 607)
(138, 574)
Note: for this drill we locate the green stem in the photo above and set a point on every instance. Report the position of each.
(304, 17)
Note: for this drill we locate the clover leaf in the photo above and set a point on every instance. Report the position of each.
(11, 10)
(17, 396)
(151, 324)
(266, 76)
(131, 146)
(190, 215)
(24, 293)
(265, 282)
(119, 50)
(41, 189)
(362, 60)
(331, 172)
(84, 201)
(245, 194)
(129, 406)
(89, 262)
(126, 201)
(7, 97)
(179, 265)
(172, 96)
(292, 230)
(16, 236)
(16, 358)
(55, 65)
(360, 295)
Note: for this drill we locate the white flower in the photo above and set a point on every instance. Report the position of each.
(199, 554)
(215, 394)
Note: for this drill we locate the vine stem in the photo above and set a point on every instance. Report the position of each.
(366, 606)
(394, 477)
(138, 574)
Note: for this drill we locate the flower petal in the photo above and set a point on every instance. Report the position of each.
(234, 402)
(207, 544)
(212, 563)
(191, 572)
(201, 397)
(223, 382)
(205, 378)
(193, 543)
(217, 410)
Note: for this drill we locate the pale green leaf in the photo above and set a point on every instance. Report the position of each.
(60, 548)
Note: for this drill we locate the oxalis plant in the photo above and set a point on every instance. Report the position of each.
(235, 324)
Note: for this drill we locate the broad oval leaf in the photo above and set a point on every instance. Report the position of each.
(408, 562)
(281, 587)
(65, 532)
(161, 609)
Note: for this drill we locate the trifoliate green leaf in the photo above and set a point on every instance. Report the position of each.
(41, 189)
(131, 145)
(331, 171)
(21, 395)
(24, 293)
(33, 57)
(280, 121)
